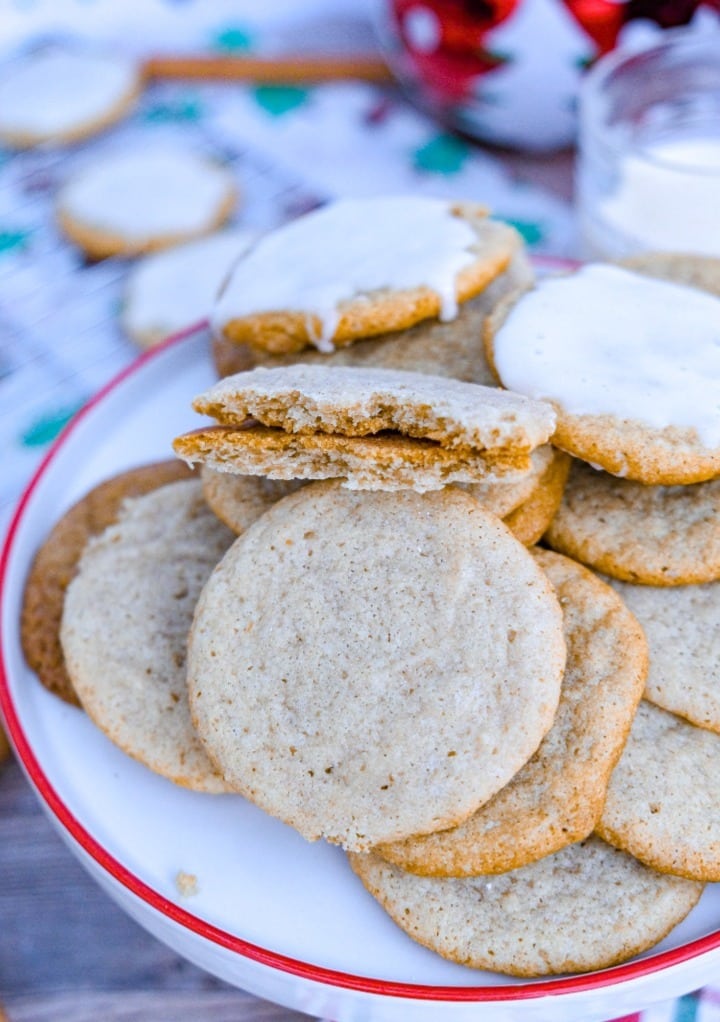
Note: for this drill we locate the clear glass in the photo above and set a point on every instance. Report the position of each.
(648, 166)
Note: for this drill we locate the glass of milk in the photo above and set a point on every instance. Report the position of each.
(648, 166)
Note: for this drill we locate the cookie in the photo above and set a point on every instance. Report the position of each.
(168, 291)
(662, 803)
(453, 348)
(374, 428)
(239, 500)
(530, 520)
(698, 271)
(63, 95)
(681, 626)
(396, 658)
(654, 535)
(55, 563)
(361, 267)
(586, 907)
(503, 496)
(130, 203)
(125, 623)
(557, 797)
(629, 362)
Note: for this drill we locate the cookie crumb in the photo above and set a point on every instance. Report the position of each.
(186, 884)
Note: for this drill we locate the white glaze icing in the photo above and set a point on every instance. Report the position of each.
(175, 288)
(347, 249)
(605, 341)
(56, 91)
(668, 197)
(148, 194)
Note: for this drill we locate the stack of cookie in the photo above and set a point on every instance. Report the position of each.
(342, 621)
(629, 357)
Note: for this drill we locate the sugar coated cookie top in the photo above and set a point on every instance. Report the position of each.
(606, 341)
(352, 247)
(360, 401)
(148, 193)
(54, 92)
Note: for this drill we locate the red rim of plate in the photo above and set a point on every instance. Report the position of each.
(253, 952)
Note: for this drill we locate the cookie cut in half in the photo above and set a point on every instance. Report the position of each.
(361, 267)
(663, 804)
(130, 203)
(557, 797)
(368, 666)
(373, 428)
(56, 95)
(681, 627)
(56, 561)
(631, 364)
(653, 535)
(586, 907)
(125, 624)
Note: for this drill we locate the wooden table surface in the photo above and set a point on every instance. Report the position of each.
(66, 951)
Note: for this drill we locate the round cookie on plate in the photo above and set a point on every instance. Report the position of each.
(63, 95)
(681, 627)
(56, 561)
(653, 535)
(662, 804)
(557, 797)
(125, 622)
(130, 203)
(395, 659)
(359, 268)
(588, 906)
(629, 362)
(168, 291)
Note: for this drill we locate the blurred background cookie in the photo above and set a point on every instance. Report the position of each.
(130, 203)
(169, 291)
(64, 95)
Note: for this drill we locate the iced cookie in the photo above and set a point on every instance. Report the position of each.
(396, 658)
(374, 428)
(662, 804)
(361, 267)
(130, 203)
(586, 907)
(630, 363)
(239, 500)
(125, 624)
(56, 561)
(557, 797)
(681, 625)
(453, 348)
(171, 290)
(654, 535)
(55, 95)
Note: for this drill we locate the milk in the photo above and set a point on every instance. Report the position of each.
(667, 197)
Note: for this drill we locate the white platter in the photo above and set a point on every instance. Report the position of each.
(275, 915)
